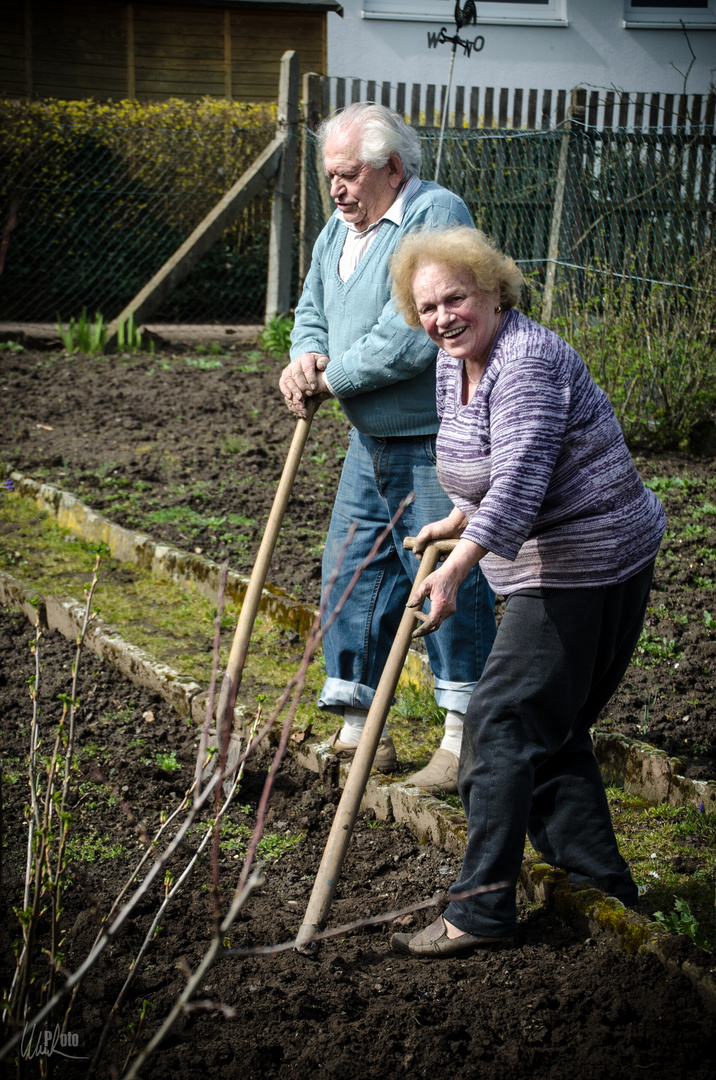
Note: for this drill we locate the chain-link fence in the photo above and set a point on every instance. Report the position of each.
(96, 199)
(626, 202)
(94, 205)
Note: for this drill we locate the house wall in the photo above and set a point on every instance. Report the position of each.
(593, 50)
(74, 49)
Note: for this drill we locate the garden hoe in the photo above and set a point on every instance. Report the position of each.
(329, 872)
(247, 616)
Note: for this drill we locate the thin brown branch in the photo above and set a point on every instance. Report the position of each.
(373, 920)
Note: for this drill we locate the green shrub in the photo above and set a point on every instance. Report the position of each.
(107, 192)
(651, 349)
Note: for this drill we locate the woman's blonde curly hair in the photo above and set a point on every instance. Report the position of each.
(460, 249)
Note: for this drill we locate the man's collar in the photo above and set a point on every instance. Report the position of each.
(396, 210)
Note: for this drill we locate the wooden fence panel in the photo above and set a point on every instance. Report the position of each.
(489, 107)
(78, 50)
(14, 68)
(532, 110)
(474, 107)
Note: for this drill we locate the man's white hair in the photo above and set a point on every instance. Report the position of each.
(381, 132)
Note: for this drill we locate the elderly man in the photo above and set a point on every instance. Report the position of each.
(349, 341)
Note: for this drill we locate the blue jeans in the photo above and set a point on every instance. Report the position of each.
(377, 474)
(527, 765)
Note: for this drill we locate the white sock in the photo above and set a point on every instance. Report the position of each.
(353, 724)
(452, 739)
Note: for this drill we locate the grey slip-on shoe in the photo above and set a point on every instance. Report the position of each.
(433, 943)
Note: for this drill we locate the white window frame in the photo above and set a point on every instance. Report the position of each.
(659, 18)
(553, 13)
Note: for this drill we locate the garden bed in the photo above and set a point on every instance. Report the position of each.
(562, 1003)
(188, 447)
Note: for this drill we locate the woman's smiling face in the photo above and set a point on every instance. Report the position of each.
(455, 314)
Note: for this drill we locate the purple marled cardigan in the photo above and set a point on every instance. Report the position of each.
(538, 464)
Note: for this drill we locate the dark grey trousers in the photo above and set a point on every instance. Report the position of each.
(527, 765)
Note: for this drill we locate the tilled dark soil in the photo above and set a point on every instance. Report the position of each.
(559, 1005)
(189, 448)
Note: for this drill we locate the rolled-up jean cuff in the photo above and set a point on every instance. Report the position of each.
(453, 695)
(338, 694)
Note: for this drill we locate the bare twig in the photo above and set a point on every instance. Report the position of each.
(373, 920)
(214, 675)
(248, 878)
(171, 893)
(41, 883)
(685, 75)
(214, 950)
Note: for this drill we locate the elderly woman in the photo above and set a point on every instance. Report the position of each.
(548, 501)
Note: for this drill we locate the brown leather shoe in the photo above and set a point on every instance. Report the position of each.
(433, 943)
(385, 757)
(440, 774)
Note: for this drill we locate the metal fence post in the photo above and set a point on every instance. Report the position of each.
(278, 288)
(576, 110)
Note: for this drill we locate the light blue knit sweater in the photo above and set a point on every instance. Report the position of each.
(382, 372)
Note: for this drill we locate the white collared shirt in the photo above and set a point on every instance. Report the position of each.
(357, 243)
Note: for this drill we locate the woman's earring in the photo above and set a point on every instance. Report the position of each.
(498, 309)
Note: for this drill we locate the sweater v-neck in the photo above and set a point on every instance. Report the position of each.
(379, 240)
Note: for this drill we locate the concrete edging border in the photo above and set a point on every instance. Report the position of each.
(163, 560)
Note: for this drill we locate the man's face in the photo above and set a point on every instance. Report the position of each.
(361, 193)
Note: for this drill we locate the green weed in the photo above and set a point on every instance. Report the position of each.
(91, 794)
(651, 649)
(666, 485)
(273, 846)
(417, 702)
(129, 336)
(212, 349)
(204, 363)
(253, 362)
(83, 335)
(276, 336)
(681, 921)
(10, 775)
(93, 848)
(234, 837)
(236, 444)
(167, 762)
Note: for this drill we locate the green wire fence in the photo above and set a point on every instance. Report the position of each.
(93, 204)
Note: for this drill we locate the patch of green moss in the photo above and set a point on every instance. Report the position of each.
(175, 624)
(671, 851)
(172, 622)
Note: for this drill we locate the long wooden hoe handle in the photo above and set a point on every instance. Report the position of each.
(237, 657)
(329, 872)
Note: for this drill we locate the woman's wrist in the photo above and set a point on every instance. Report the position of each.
(462, 558)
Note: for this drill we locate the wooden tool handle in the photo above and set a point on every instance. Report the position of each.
(329, 871)
(250, 604)
(444, 547)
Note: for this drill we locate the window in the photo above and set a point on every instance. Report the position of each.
(669, 14)
(515, 12)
